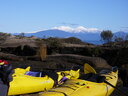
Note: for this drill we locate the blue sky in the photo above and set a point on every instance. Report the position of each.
(33, 15)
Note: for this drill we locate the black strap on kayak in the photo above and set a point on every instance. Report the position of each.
(124, 94)
(52, 75)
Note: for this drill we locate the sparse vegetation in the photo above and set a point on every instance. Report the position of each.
(21, 35)
(53, 42)
(3, 37)
(126, 37)
(118, 39)
(96, 51)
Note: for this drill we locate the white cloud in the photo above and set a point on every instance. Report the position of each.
(76, 29)
(64, 28)
(79, 29)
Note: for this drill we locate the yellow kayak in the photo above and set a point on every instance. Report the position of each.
(79, 87)
(20, 71)
(23, 83)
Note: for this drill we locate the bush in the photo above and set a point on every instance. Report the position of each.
(73, 40)
(53, 42)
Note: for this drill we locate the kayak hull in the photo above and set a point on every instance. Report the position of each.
(29, 84)
(24, 84)
(80, 87)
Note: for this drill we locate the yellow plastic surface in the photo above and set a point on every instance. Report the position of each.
(28, 84)
(78, 87)
(23, 84)
(20, 71)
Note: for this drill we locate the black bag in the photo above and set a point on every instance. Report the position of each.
(5, 77)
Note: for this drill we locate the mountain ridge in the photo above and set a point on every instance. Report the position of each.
(90, 37)
(64, 34)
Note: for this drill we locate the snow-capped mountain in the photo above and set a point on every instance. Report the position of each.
(63, 34)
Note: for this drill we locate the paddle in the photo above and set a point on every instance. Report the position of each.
(89, 69)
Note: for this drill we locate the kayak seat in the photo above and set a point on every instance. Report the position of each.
(52, 75)
(92, 77)
(34, 74)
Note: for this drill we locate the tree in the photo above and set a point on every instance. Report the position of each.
(106, 35)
